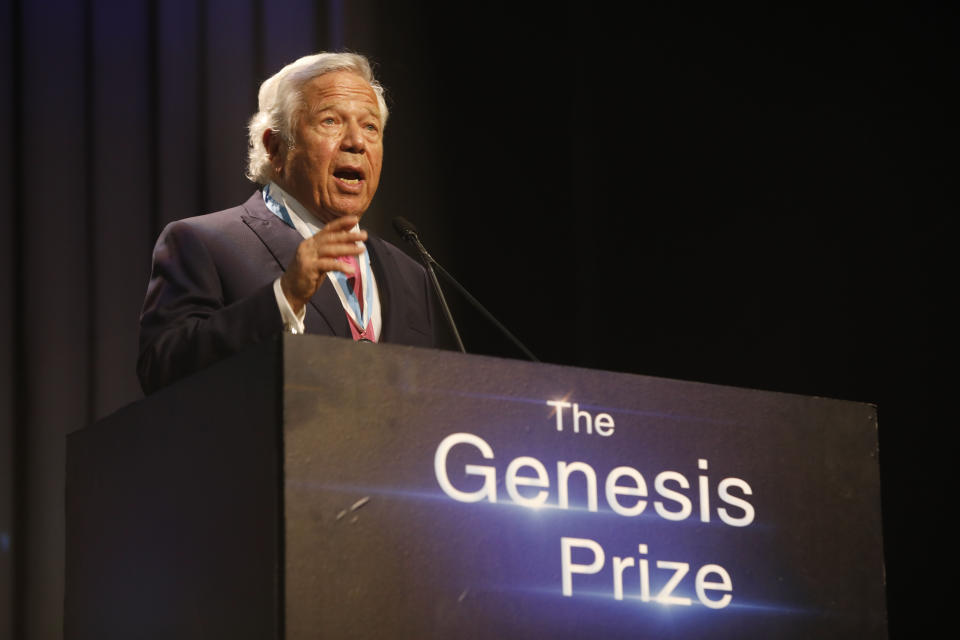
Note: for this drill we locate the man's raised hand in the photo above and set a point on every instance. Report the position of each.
(317, 255)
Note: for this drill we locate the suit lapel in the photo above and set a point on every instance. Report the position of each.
(325, 314)
(386, 271)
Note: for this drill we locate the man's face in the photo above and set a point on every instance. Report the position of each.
(334, 167)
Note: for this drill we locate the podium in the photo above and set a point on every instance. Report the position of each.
(314, 487)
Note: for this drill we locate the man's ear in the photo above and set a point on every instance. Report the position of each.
(273, 143)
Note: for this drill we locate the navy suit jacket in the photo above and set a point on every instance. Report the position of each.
(211, 293)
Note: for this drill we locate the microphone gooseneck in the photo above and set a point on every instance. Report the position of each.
(409, 233)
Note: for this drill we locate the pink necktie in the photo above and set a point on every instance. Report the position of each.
(356, 284)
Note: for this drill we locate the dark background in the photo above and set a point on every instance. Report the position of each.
(746, 195)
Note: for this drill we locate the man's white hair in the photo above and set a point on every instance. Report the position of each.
(281, 102)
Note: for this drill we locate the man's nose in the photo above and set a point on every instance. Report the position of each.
(353, 140)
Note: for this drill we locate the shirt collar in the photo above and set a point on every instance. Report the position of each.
(304, 221)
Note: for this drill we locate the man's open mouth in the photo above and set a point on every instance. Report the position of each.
(349, 176)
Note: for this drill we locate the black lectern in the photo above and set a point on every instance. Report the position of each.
(317, 488)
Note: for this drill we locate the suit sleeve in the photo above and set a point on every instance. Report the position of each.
(186, 323)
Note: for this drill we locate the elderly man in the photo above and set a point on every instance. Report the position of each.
(292, 257)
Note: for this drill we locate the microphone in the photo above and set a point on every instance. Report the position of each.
(409, 233)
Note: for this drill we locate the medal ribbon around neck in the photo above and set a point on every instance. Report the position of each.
(276, 207)
(348, 299)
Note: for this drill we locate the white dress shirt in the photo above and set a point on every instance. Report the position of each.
(307, 225)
